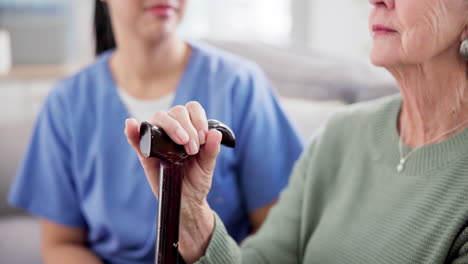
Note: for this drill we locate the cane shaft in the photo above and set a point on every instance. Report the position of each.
(169, 214)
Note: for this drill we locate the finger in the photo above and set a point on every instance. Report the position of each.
(198, 118)
(171, 126)
(151, 166)
(209, 152)
(182, 116)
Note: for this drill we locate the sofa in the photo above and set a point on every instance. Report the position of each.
(311, 86)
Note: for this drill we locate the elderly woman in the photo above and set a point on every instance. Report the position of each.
(383, 182)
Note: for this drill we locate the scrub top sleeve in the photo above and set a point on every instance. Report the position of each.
(44, 185)
(269, 145)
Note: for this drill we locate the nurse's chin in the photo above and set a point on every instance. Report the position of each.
(159, 31)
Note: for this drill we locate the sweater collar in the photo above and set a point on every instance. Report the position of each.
(423, 161)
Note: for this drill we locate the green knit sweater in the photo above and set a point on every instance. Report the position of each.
(346, 202)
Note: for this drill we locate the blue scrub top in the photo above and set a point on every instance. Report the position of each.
(79, 170)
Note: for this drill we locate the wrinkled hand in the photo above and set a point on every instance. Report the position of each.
(186, 125)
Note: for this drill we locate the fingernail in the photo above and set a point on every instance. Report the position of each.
(182, 135)
(201, 137)
(193, 147)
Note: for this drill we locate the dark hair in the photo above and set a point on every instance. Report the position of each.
(103, 33)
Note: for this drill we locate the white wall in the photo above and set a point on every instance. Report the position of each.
(340, 27)
(80, 41)
(260, 20)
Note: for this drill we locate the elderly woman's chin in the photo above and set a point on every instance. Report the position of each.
(384, 57)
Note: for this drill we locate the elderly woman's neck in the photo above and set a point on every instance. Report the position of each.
(435, 100)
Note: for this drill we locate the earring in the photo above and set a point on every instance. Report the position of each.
(464, 49)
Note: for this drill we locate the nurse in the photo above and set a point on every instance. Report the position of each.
(86, 183)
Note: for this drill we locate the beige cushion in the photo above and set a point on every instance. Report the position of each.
(308, 115)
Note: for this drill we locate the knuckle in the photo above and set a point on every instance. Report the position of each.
(160, 115)
(193, 106)
(178, 110)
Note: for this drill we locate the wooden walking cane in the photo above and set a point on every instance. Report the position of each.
(154, 142)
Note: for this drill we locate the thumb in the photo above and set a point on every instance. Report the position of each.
(150, 165)
(133, 134)
(209, 152)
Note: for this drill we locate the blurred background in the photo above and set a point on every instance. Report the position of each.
(314, 52)
(56, 31)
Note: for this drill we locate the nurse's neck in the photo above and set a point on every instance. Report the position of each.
(149, 71)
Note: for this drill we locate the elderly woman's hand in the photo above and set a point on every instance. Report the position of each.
(186, 125)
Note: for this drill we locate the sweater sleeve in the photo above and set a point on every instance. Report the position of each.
(278, 239)
(459, 252)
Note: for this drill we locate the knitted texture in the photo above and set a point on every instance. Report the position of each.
(347, 203)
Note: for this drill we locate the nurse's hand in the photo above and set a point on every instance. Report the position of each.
(186, 125)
